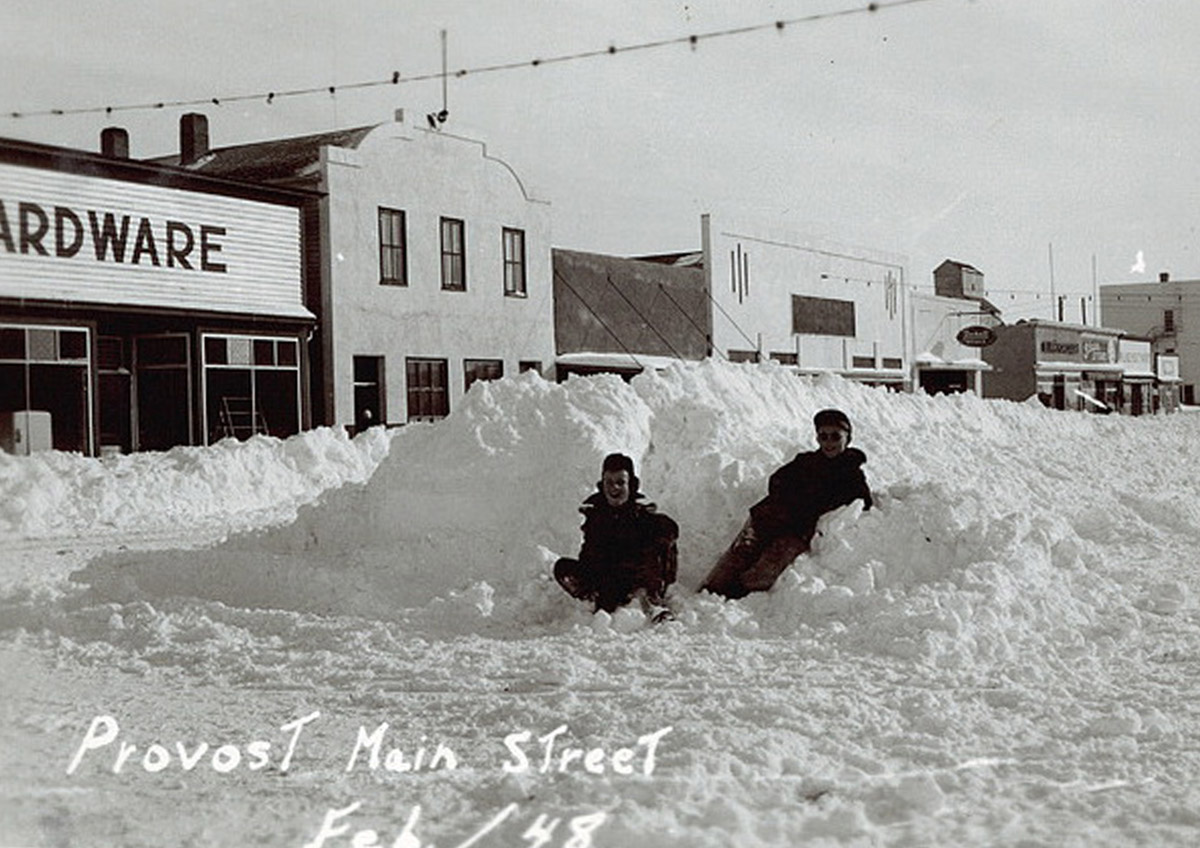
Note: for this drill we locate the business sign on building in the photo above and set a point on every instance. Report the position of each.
(1097, 349)
(1058, 345)
(82, 239)
(1168, 368)
(1135, 357)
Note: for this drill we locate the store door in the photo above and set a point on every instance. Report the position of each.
(163, 383)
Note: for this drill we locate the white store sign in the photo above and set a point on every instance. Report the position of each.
(80, 239)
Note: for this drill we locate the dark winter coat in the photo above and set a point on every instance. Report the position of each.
(799, 493)
(620, 536)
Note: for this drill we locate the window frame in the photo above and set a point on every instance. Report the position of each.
(454, 254)
(516, 275)
(398, 253)
(413, 388)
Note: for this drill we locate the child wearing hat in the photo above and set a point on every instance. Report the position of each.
(781, 525)
(628, 547)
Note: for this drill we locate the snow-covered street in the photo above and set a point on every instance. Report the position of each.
(1003, 652)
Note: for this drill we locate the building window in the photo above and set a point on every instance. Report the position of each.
(529, 365)
(863, 361)
(428, 397)
(482, 369)
(251, 385)
(743, 356)
(514, 262)
(454, 255)
(785, 358)
(892, 362)
(1168, 321)
(393, 248)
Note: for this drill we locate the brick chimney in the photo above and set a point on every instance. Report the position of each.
(114, 143)
(193, 137)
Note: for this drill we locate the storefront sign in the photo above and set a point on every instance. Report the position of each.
(1096, 350)
(84, 239)
(976, 335)
(1168, 367)
(1136, 358)
(1054, 346)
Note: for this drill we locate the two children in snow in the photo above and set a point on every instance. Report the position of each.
(629, 549)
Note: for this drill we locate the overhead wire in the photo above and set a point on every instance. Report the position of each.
(396, 78)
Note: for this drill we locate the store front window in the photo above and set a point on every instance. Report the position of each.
(251, 386)
(45, 369)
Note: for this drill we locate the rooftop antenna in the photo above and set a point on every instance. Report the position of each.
(436, 119)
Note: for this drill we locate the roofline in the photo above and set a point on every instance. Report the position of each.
(86, 163)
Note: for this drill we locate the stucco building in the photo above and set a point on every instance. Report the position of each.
(430, 269)
(805, 302)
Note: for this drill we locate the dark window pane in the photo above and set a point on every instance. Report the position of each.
(12, 343)
(216, 352)
(264, 352)
(72, 344)
(287, 353)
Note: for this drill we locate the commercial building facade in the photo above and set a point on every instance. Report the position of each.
(811, 304)
(1167, 313)
(432, 269)
(1076, 366)
(143, 308)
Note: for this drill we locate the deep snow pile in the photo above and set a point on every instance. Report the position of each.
(232, 484)
(1002, 652)
(993, 531)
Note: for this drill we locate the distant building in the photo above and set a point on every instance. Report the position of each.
(622, 315)
(144, 307)
(940, 322)
(429, 264)
(1167, 313)
(1066, 366)
(815, 305)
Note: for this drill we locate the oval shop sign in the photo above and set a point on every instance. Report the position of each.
(976, 335)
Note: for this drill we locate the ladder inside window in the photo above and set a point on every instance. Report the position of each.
(238, 418)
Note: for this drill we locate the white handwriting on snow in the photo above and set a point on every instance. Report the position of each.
(549, 756)
(104, 731)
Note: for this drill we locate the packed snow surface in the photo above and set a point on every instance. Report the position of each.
(203, 647)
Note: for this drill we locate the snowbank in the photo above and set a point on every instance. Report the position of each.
(993, 524)
(232, 484)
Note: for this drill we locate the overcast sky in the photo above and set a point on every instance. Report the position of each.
(996, 132)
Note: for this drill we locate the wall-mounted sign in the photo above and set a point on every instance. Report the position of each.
(84, 239)
(1168, 367)
(976, 335)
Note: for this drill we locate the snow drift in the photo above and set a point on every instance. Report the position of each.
(987, 539)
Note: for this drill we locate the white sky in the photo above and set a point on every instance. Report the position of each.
(980, 130)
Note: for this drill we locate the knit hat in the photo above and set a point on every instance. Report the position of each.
(833, 418)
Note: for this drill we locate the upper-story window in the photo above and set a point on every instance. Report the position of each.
(514, 262)
(393, 248)
(454, 254)
(1168, 321)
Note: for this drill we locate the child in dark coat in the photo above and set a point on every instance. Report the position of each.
(782, 524)
(628, 547)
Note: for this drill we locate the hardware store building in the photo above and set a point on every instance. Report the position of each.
(142, 307)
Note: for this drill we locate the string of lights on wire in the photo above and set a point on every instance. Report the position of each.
(270, 97)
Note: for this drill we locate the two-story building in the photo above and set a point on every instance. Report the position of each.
(1167, 313)
(430, 266)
